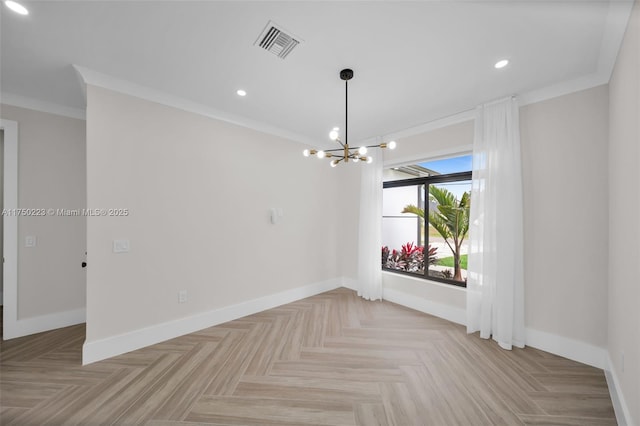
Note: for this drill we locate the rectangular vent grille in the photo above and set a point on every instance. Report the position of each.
(275, 40)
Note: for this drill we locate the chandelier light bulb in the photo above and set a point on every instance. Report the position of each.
(501, 64)
(392, 145)
(369, 160)
(333, 135)
(306, 152)
(362, 150)
(334, 163)
(321, 154)
(16, 7)
(355, 160)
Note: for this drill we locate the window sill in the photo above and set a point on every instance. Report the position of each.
(424, 280)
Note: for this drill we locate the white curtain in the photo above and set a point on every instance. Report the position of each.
(370, 229)
(495, 283)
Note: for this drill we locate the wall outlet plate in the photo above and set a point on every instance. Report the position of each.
(121, 246)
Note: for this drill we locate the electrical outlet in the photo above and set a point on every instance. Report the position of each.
(182, 296)
(30, 241)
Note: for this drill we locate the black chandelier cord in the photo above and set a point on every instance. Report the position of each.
(346, 112)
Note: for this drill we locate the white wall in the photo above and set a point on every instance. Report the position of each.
(52, 174)
(564, 167)
(199, 192)
(624, 224)
(564, 152)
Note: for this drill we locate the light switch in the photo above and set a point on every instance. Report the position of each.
(30, 241)
(275, 214)
(120, 246)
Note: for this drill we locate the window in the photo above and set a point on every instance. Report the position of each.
(425, 219)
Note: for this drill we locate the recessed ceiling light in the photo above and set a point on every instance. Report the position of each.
(241, 92)
(16, 7)
(501, 63)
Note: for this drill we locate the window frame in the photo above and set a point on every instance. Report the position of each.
(426, 181)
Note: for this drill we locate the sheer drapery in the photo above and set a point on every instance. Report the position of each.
(370, 229)
(495, 284)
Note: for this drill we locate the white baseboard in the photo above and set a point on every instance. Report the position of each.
(567, 348)
(111, 346)
(623, 416)
(27, 326)
(450, 313)
(557, 345)
(552, 343)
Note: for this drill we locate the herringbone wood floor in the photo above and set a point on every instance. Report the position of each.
(332, 359)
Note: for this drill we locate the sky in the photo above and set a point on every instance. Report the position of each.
(449, 165)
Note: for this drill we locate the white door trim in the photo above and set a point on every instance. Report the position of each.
(10, 242)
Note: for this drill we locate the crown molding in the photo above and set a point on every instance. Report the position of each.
(42, 106)
(564, 88)
(98, 79)
(556, 90)
(439, 123)
(618, 15)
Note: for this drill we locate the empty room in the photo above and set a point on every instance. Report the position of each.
(320, 212)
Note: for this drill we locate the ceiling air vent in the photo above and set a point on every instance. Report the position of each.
(276, 40)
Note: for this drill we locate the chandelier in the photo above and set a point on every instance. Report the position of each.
(345, 153)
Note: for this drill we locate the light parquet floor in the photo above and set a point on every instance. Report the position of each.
(331, 359)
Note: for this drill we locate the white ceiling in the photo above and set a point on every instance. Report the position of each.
(414, 62)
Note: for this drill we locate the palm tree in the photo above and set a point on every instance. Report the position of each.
(451, 220)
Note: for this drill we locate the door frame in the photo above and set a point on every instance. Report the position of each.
(10, 223)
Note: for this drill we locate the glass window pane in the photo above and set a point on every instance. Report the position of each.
(448, 229)
(403, 233)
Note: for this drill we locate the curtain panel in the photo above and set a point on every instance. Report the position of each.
(495, 284)
(370, 229)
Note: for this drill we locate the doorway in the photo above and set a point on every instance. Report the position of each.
(1, 221)
(9, 228)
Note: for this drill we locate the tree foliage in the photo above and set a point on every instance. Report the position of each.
(450, 219)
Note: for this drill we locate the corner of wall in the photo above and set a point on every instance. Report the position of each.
(568, 348)
(623, 415)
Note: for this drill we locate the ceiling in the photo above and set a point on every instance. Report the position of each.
(414, 62)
